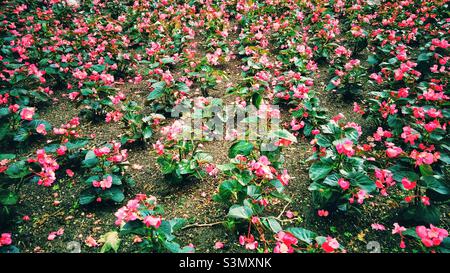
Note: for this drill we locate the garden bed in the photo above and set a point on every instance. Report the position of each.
(92, 158)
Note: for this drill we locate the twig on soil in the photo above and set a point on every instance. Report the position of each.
(45, 217)
(290, 220)
(282, 212)
(203, 225)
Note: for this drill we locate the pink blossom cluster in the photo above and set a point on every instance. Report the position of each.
(285, 242)
(432, 236)
(5, 239)
(49, 165)
(131, 211)
(262, 168)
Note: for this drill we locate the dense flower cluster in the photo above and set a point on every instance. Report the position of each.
(143, 217)
(5, 239)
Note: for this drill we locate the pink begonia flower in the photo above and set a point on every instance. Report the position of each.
(285, 242)
(409, 185)
(393, 152)
(377, 226)
(152, 221)
(432, 236)
(425, 200)
(345, 148)
(398, 229)
(344, 184)
(322, 213)
(40, 129)
(219, 245)
(51, 236)
(60, 232)
(104, 184)
(61, 150)
(70, 173)
(91, 242)
(102, 151)
(27, 113)
(284, 178)
(330, 245)
(289, 214)
(249, 242)
(5, 239)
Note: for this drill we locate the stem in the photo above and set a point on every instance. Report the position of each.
(19, 185)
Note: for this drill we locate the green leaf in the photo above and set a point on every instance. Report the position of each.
(115, 179)
(277, 184)
(17, 169)
(241, 147)
(133, 227)
(445, 158)
(281, 196)
(411, 232)
(166, 166)
(323, 141)
(227, 188)
(21, 135)
(272, 224)
(253, 191)
(202, 157)
(257, 99)
(226, 167)
(7, 156)
(87, 196)
(90, 160)
(147, 132)
(426, 170)
(319, 170)
(240, 212)
(284, 134)
(395, 122)
(422, 214)
(352, 134)
(423, 57)
(113, 193)
(9, 249)
(110, 241)
(181, 86)
(302, 234)
(330, 86)
(444, 247)
(433, 183)
(168, 60)
(98, 67)
(91, 179)
(332, 180)
(4, 111)
(399, 172)
(158, 90)
(8, 198)
(362, 181)
(35, 123)
(4, 130)
(76, 144)
(177, 224)
(372, 60)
